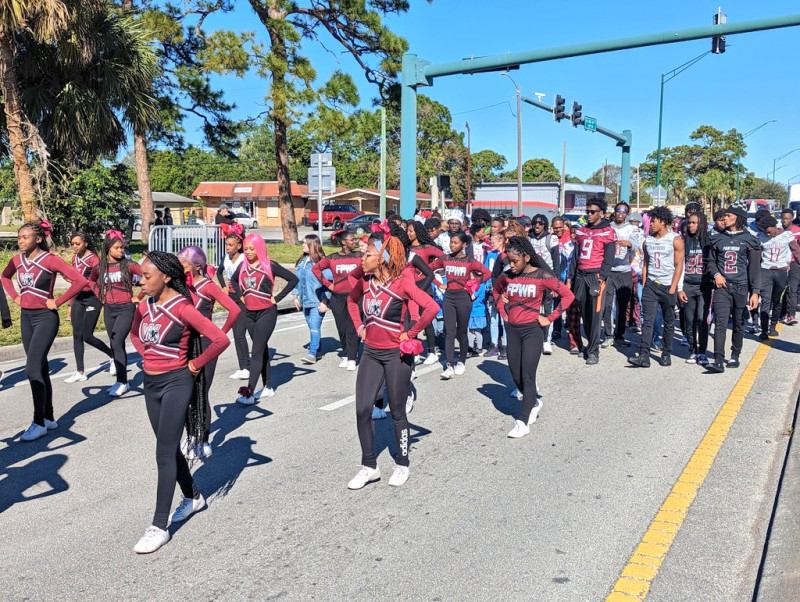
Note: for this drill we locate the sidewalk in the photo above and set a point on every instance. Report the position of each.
(780, 573)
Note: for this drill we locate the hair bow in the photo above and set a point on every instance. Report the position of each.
(411, 347)
(384, 227)
(472, 286)
(114, 234)
(47, 227)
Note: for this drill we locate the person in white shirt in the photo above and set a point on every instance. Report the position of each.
(778, 248)
(619, 285)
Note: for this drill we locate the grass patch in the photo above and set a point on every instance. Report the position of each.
(13, 335)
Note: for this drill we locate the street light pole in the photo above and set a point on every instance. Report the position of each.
(519, 145)
(469, 162)
(739, 151)
(776, 159)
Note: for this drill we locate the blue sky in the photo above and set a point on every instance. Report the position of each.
(756, 80)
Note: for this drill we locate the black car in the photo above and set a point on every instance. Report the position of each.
(358, 226)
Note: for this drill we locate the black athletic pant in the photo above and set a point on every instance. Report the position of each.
(698, 302)
(378, 366)
(430, 333)
(457, 307)
(524, 350)
(587, 288)
(344, 324)
(208, 372)
(260, 324)
(729, 302)
(167, 397)
(773, 283)
(790, 300)
(653, 296)
(119, 318)
(39, 329)
(240, 338)
(84, 314)
(618, 286)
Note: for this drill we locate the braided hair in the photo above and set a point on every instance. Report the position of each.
(520, 245)
(422, 233)
(38, 231)
(169, 265)
(398, 232)
(702, 228)
(124, 269)
(396, 261)
(85, 237)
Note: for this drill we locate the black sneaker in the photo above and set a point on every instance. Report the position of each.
(493, 352)
(575, 351)
(715, 367)
(666, 359)
(639, 360)
(763, 336)
(732, 363)
(502, 355)
(621, 342)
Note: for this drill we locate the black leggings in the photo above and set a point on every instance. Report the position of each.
(119, 318)
(84, 314)
(430, 333)
(344, 325)
(730, 302)
(619, 287)
(39, 329)
(260, 324)
(208, 372)
(376, 366)
(698, 302)
(524, 349)
(773, 283)
(457, 307)
(166, 398)
(240, 339)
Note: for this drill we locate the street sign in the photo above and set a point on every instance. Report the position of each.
(659, 195)
(328, 179)
(325, 158)
(590, 124)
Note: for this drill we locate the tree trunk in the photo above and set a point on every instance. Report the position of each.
(16, 133)
(143, 182)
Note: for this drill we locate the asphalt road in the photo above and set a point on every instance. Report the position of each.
(553, 516)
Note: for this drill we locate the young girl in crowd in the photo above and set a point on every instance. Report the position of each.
(165, 331)
(310, 296)
(204, 295)
(84, 309)
(257, 282)
(423, 245)
(36, 270)
(228, 277)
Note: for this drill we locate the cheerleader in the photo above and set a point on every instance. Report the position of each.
(383, 295)
(112, 281)
(423, 245)
(257, 281)
(36, 270)
(84, 309)
(519, 294)
(164, 329)
(228, 277)
(204, 294)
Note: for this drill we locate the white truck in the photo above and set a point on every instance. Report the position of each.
(794, 197)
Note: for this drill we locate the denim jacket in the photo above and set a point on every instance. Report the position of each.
(310, 290)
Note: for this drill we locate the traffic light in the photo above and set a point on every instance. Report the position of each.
(577, 115)
(560, 109)
(718, 42)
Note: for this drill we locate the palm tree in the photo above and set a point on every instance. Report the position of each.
(42, 19)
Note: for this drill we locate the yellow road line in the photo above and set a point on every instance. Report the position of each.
(634, 582)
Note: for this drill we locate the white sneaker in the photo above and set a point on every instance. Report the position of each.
(34, 432)
(152, 539)
(417, 360)
(431, 359)
(76, 378)
(50, 424)
(409, 404)
(460, 368)
(204, 450)
(343, 363)
(351, 365)
(535, 412)
(187, 507)
(520, 430)
(112, 369)
(246, 401)
(236, 375)
(119, 390)
(364, 475)
(414, 374)
(448, 373)
(399, 476)
(244, 374)
(265, 392)
(547, 348)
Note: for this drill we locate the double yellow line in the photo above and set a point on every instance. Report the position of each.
(643, 566)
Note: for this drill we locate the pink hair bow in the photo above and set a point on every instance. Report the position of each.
(411, 347)
(384, 227)
(47, 227)
(114, 234)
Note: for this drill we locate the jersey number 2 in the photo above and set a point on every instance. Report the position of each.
(730, 262)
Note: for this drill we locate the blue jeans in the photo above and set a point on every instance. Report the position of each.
(494, 325)
(314, 321)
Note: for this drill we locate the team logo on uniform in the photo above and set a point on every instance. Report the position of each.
(113, 277)
(250, 281)
(455, 270)
(345, 268)
(522, 290)
(374, 307)
(151, 333)
(25, 279)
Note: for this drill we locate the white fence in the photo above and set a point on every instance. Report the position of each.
(174, 238)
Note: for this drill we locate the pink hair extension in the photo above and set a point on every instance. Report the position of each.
(261, 253)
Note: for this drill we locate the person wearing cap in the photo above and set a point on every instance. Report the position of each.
(223, 216)
(734, 263)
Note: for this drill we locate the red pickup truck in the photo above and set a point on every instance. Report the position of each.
(334, 215)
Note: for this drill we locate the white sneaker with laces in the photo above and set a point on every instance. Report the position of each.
(409, 404)
(265, 392)
(351, 365)
(535, 412)
(399, 476)
(34, 432)
(520, 430)
(187, 507)
(244, 374)
(236, 375)
(76, 378)
(50, 424)
(448, 373)
(364, 475)
(112, 368)
(417, 360)
(343, 363)
(460, 368)
(431, 359)
(547, 348)
(152, 539)
(119, 390)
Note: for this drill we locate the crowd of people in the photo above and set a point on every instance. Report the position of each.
(409, 293)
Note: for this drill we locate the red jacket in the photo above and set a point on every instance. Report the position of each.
(37, 277)
(459, 270)
(340, 266)
(116, 293)
(525, 294)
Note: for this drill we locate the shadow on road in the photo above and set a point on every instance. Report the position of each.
(39, 474)
(498, 391)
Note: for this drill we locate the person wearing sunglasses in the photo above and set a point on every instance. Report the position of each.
(594, 256)
(619, 285)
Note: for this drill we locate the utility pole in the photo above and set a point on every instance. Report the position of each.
(638, 188)
(519, 144)
(562, 193)
(382, 209)
(469, 164)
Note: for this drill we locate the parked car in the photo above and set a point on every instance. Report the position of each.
(333, 216)
(244, 219)
(358, 226)
(573, 216)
